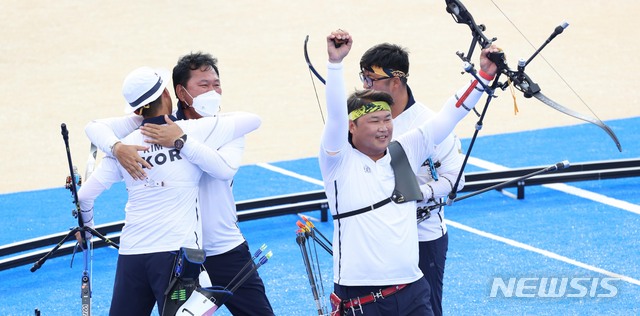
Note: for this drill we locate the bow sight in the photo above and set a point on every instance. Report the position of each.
(518, 77)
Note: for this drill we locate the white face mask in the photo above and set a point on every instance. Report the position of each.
(207, 104)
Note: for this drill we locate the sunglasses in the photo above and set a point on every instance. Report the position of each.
(369, 81)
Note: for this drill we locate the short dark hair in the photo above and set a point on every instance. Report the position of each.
(388, 56)
(152, 109)
(182, 70)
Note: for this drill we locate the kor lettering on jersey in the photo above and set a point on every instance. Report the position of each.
(158, 156)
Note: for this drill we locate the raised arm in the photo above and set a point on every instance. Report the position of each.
(334, 135)
(459, 105)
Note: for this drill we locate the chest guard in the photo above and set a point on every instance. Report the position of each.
(407, 188)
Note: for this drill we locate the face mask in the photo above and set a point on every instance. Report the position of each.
(207, 104)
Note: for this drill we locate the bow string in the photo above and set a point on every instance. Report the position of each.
(518, 78)
(312, 72)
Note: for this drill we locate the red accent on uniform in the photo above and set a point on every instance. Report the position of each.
(466, 93)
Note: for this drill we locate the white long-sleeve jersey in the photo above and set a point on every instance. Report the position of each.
(378, 247)
(447, 157)
(219, 219)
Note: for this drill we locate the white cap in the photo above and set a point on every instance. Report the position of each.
(143, 86)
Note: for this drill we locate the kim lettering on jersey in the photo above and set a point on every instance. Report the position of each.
(158, 156)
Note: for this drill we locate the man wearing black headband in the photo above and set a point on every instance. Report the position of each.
(385, 67)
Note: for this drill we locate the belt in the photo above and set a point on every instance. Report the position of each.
(362, 210)
(356, 303)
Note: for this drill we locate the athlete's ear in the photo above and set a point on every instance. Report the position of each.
(396, 82)
(166, 94)
(352, 126)
(180, 93)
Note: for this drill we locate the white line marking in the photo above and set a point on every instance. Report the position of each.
(290, 174)
(596, 197)
(486, 164)
(557, 186)
(545, 253)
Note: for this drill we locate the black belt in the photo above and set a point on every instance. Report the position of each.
(364, 209)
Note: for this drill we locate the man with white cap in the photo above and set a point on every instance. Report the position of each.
(162, 213)
(197, 87)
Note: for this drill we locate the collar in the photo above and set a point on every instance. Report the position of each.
(410, 101)
(180, 111)
(157, 120)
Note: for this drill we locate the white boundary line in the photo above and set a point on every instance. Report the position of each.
(290, 173)
(596, 197)
(557, 186)
(545, 253)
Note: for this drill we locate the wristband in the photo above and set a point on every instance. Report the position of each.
(485, 75)
(113, 146)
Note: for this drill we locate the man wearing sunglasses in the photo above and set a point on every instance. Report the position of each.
(385, 67)
(375, 247)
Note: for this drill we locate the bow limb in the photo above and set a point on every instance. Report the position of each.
(315, 72)
(306, 58)
(555, 105)
(544, 99)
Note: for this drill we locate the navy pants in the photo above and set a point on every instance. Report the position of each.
(433, 255)
(413, 300)
(248, 299)
(140, 283)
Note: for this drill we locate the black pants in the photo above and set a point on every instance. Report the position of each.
(248, 299)
(140, 283)
(410, 301)
(433, 255)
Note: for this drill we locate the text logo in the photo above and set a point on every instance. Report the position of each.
(554, 287)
